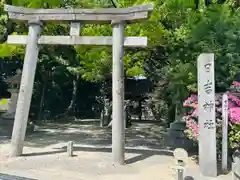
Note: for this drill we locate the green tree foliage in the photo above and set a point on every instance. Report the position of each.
(208, 29)
(177, 33)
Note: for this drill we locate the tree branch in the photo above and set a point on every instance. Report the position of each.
(113, 3)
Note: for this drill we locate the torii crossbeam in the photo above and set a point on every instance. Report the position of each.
(118, 17)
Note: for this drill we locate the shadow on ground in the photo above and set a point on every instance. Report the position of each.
(142, 153)
(146, 135)
(11, 177)
(188, 178)
(143, 139)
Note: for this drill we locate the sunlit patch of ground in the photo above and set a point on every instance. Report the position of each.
(46, 159)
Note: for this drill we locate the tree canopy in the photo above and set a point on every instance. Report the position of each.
(177, 31)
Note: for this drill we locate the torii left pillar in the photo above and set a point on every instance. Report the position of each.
(26, 88)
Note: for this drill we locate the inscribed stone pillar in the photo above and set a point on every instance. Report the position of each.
(207, 119)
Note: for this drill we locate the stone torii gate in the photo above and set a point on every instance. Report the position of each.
(118, 17)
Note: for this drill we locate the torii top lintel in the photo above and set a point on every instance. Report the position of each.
(101, 15)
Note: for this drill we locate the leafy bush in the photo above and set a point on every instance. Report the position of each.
(191, 118)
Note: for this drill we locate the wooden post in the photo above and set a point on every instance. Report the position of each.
(225, 132)
(118, 129)
(25, 93)
(207, 119)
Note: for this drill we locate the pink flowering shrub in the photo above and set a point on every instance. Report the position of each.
(234, 118)
(234, 115)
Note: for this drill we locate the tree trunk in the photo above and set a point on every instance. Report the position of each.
(74, 95)
(72, 104)
(105, 104)
(42, 99)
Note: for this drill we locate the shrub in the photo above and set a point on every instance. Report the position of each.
(191, 118)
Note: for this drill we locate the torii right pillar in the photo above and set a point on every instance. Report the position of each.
(118, 128)
(118, 122)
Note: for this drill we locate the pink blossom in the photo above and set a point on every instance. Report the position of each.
(191, 100)
(191, 124)
(234, 98)
(234, 115)
(231, 104)
(236, 83)
(195, 112)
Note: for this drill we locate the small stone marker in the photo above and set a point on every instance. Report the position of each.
(225, 132)
(207, 115)
(70, 149)
(180, 156)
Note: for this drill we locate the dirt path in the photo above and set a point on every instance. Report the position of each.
(46, 158)
(87, 165)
